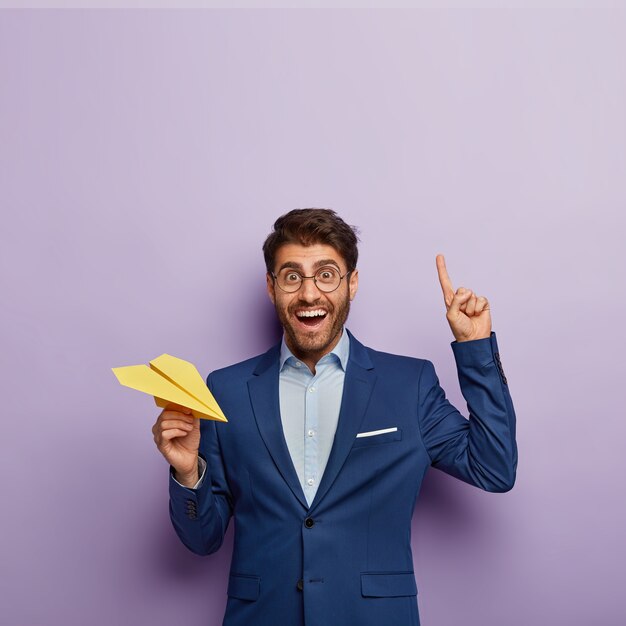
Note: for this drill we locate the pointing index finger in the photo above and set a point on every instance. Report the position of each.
(444, 279)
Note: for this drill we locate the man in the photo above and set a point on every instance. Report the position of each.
(327, 444)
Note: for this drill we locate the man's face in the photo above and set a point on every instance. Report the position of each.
(306, 335)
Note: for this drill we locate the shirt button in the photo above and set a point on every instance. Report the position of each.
(310, 433)
(310, 482)
(298, 364)
(311, 389)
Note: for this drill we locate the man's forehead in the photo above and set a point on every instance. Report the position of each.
(313, 256)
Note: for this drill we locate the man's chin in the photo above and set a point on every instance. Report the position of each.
(311, 341)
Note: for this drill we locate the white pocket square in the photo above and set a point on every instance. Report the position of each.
(373, 433)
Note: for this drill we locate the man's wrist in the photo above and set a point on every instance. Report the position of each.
(188, 479)
(466, 339)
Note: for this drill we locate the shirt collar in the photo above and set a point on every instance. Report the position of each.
(341, 351)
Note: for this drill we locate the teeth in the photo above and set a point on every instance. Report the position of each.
(315, 313)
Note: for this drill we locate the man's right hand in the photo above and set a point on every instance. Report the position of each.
(177, 436)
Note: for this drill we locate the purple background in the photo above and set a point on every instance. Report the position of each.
(143, 159)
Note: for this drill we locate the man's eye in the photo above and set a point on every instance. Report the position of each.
(292, 277)
(326, 275)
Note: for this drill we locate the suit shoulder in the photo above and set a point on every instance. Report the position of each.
(389, 360)
(241, 370)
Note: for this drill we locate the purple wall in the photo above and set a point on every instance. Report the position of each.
(143, 158)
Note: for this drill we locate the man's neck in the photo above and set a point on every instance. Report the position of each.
(311, 358)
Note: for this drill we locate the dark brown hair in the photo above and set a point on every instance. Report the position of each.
(310, 226)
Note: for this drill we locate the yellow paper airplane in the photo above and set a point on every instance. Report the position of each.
(170, 379)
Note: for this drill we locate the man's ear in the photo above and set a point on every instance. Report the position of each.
(270, 288)
(353, 285)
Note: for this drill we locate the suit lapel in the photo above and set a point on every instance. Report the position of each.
(358, 385)
(263, 389)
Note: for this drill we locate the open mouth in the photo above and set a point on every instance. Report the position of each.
(311, 318)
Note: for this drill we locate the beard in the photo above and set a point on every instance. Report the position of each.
(315, 342)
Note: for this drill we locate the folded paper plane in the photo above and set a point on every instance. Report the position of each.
(170, 379)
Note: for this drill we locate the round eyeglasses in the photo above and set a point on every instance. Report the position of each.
(326, 279)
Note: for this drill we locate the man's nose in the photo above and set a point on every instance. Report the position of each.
(308, 290)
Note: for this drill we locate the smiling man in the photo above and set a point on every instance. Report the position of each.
(312, 309)
(328, 442)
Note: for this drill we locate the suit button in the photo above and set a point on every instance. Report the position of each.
(300, 585)
(309, 523)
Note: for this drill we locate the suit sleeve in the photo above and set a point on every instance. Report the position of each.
(200, 516)
(482, 450)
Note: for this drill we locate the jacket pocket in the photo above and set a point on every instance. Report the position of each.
(244, 587)
(396, 435)
(388, 584)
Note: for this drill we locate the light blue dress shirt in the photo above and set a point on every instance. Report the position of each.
(309, 410)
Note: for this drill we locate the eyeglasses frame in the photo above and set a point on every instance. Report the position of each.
(275, 278)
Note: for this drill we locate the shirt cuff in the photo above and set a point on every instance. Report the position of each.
(201, 472)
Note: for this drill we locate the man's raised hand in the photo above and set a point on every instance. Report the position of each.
(177, 436)
(467, 314)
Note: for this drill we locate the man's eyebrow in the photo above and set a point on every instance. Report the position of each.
(298, 266)
(326, 262)
(291, 265)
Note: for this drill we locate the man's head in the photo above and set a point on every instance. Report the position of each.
(311, 243)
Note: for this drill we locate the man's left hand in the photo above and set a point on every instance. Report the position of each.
(467, 314)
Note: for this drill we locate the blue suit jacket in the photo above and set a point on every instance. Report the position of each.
(346, 560)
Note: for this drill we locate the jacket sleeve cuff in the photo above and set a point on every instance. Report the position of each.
(479, 353)
(201, 473)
